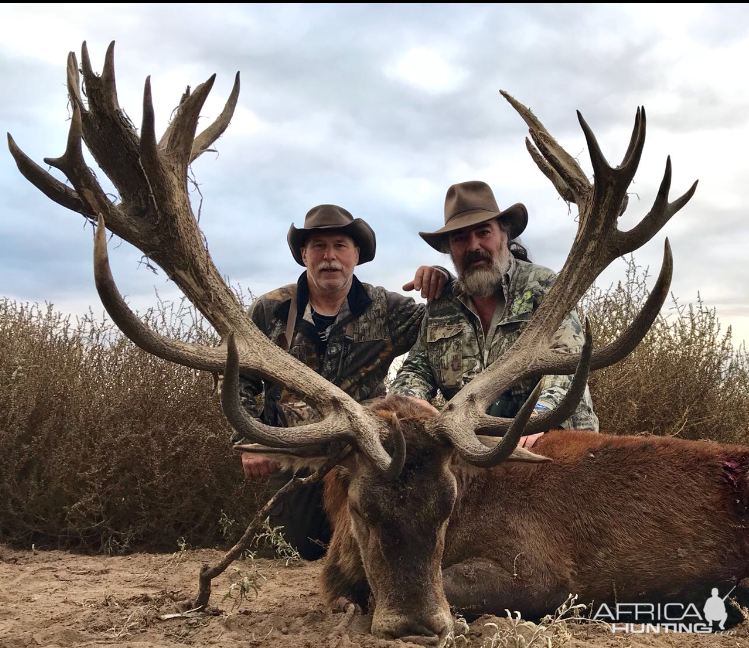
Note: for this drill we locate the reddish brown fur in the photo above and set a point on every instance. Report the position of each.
(612, 518)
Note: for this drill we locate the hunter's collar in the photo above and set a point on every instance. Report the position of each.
(357, 297)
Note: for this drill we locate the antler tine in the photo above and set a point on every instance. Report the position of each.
(184, 353)
(180, 133)
(74, 82)
(101, 91)
(86, 67)
(597, 243)
(608, 178)
(553, 362)
(182, 130)
(657, 217)
(602, 170)
(108, 80)
(149, 150)
(319, 433)
(216, 129)
(563, 189)
(45, 182)
(565, 166)
(562, 162)
(637, 139)
(74, 166)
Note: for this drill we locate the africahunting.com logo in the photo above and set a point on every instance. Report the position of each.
(656, 618)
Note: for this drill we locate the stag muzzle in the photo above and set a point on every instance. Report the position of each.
(423, 630)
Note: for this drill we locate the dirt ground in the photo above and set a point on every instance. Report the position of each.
(59, 599)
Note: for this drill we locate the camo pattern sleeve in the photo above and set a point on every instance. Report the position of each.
(415, 377)
(404, 318)
(569, 338)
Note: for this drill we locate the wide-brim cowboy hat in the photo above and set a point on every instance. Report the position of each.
(471, 203)
(328, 218)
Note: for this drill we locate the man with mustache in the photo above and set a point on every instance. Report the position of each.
(481, 314)
(347, 331)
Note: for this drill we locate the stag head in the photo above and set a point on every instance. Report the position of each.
(154, 214)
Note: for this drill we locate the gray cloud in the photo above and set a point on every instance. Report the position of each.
(325, 116)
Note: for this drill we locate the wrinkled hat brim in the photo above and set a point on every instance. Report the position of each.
(357, 229)
(516, 218)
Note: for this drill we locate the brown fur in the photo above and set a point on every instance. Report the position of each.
(612, 518)
(343, 574)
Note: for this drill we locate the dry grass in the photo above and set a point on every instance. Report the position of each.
(685, 379)
(552, 631)
(106, 448)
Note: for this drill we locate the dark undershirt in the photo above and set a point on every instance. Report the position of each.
(323, 323)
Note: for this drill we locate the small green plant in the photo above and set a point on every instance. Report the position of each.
(244, 583)
(227, 525)
(181, 553)
(274, 537)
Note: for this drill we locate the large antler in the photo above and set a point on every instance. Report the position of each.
(155, 215)
(597, 243)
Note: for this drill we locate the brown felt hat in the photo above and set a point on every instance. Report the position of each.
(331, 217)
(471, 203)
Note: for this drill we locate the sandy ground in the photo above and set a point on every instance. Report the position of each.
(59, 599)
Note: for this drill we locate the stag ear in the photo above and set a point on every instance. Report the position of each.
(310, 457)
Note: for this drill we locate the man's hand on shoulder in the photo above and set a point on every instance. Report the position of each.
(430, 280)
(257, 466)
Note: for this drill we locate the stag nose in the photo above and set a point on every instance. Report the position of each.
(423, 632)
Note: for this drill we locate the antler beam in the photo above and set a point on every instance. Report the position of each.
(155, 215)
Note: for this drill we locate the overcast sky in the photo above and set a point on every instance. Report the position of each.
(379, 108)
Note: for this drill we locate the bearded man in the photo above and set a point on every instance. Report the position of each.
(480, 315)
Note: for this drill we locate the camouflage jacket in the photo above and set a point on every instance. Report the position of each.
(372, 328)
(451, 349)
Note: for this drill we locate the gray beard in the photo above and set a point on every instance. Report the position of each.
(484, 282)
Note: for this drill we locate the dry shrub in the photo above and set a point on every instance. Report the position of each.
(105, 447)
(685, 378)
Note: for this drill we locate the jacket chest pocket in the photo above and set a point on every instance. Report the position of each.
(445, 352)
